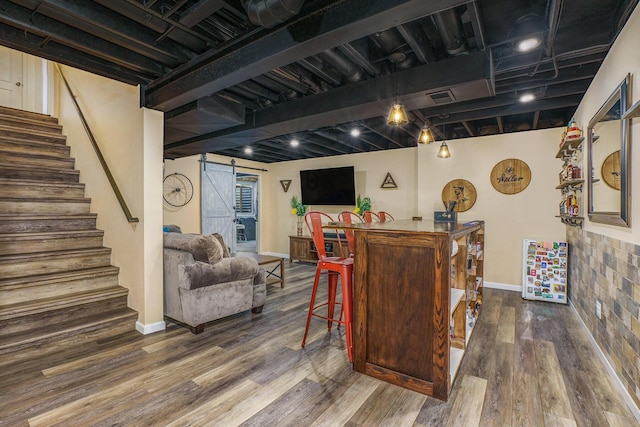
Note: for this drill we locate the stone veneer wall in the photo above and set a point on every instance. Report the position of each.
(605, 269)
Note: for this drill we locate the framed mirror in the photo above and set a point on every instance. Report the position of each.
(609, 141)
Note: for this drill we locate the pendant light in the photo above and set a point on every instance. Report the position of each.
(425, 137)
(443, 152)
(397, 114)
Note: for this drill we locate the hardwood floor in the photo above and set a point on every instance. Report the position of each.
(528, 364)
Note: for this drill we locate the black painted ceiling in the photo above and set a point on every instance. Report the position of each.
(232, 74)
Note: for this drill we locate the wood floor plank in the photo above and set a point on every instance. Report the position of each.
(497, 408)
(507, 325)
(217, 408)
(250, 370)
(346, 405)
(464, 412)
(616, 420)
(405, 411)
(527, 406)
(491, 309)
(555, 401)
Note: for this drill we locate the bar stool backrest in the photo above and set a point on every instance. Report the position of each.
(315, 221)
(370, 217)
(349, 218)
(385, 216)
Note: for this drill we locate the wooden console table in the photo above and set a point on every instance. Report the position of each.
(301, 248)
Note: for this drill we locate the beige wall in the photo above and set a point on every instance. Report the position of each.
(130, 139)
(621, 60)
(420, 177)
(509, 219)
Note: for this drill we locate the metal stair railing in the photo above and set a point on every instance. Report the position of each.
(103, 162)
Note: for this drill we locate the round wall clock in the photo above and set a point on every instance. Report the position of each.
(460, 192)
(510, 176)
(177, 190)
(610, 170)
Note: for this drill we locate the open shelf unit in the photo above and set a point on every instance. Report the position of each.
(467, 269)
(571, 181)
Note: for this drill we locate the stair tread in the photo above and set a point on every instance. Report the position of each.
(50, 332)
(33, 132)
(23, 141)
(54, 254)
(36, 156)
(62, 301)
(41, 168)
(24, 181)
(16, 112)
(41, 235)
(39, 279)
(47, 200)
(27, 120)
(7, 217)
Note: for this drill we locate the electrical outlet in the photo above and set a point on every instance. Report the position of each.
(598, 309)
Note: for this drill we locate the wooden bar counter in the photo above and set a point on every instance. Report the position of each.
(417, 295)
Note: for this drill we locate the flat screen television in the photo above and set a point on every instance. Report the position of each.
(333, 186)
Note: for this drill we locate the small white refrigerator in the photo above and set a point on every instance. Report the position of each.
(544, 273)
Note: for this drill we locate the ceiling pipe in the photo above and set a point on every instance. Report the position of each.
(342, 64)
(450, 29)
(390, 41)
(269, 13)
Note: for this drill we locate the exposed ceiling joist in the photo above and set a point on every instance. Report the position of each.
(340, 23)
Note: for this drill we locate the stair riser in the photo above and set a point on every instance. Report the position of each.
(30, 136)
(56, 150)
(60, 288)
(23, 190)
(35, 266)
(28, 115)
(18, 225)
(37, 126)
(30, 161)
(35, 174)
(49, 345)
(20, 246)
(21, 323)
(43, 207)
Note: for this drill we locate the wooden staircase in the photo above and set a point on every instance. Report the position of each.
(57, 286)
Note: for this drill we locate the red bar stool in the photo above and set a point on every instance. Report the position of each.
(385, 216)
(335, 266)
(349, 218)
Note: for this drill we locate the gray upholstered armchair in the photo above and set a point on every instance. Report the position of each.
(201, 284)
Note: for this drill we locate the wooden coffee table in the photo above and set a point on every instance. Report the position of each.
(272, 276)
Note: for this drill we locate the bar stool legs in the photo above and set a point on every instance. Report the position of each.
(345, 274)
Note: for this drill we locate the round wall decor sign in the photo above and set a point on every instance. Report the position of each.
(510, 176)
(460, 193)
(610, 170)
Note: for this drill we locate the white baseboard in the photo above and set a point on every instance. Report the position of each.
(149, 329)
(503, 286)
(616, 379)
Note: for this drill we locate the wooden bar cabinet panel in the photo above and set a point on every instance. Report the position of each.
(413, 300)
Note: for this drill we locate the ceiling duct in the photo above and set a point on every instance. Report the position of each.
(269, 13)
(450, 29)
(342, 64)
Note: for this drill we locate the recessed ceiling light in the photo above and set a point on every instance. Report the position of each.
(248, 150)
(528, 44)
(355, 132)
(294, 142)
(527, 97)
